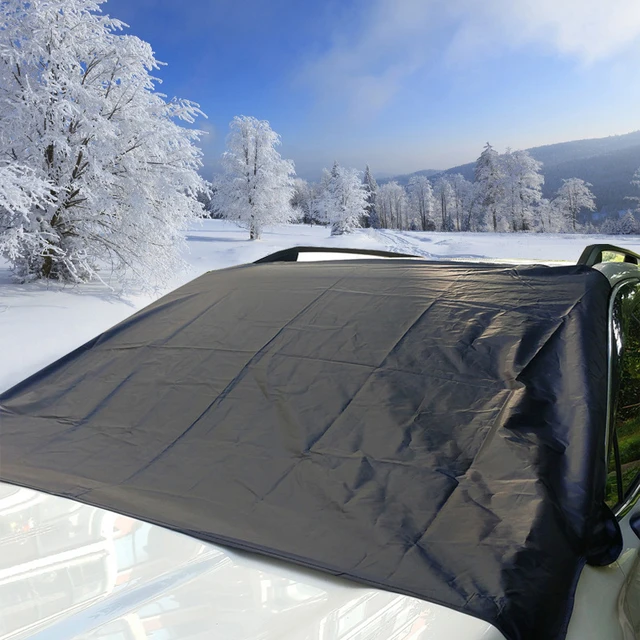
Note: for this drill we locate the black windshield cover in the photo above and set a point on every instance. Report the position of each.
(432, 429)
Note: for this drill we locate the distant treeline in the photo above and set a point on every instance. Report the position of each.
(504, 192)
(609, 164)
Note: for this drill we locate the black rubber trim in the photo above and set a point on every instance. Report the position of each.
(592, 254)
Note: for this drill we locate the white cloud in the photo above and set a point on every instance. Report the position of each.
(588, 30)
(367, 70)
(396, 38)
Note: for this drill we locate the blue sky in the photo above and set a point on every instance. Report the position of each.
(400, 84)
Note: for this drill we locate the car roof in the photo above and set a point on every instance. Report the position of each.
(625, 263)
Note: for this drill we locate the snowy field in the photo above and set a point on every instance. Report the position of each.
(40, 322)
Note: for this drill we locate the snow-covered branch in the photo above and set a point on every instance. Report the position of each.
(80, 114)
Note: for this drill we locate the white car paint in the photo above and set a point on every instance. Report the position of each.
(71, 571)
(607, 601)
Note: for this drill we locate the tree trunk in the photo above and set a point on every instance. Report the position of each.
(47, 266)
(254, 230)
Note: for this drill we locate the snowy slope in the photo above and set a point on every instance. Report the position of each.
(40, 322)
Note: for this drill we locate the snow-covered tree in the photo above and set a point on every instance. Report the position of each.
(629, 224)
(80, 112)
(305, 202)
(461, 199)
(635, 181)
(343, 201)
(625, 225)
(326, 198)
(489, 179)
(551, 219)
(610, 227)
(383, 206)
(392, 206)
(421, 201)
(371, 187)
(573, 196)
(301, 201)
(443, 200)
(207, 198)
(21, 191)
(522, 189)
(256, 186)
(473, 219)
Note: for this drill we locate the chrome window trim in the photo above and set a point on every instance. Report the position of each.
(621, 509)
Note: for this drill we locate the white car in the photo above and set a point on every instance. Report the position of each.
(109, 530)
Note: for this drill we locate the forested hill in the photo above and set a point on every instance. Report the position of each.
(607, 163)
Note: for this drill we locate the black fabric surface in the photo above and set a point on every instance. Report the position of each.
(435, 429)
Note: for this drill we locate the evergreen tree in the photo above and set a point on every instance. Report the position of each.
(343, 199)
(628, 224)
(371, 187)
(635, 182)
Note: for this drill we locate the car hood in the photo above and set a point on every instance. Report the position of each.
(68, 571)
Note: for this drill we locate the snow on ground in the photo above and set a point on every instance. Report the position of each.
(41, 322)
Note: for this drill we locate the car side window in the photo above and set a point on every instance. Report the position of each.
(615, 256)
(624, 449)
